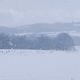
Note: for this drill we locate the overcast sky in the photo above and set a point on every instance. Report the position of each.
(22, 12)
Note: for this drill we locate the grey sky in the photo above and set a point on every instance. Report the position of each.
(21, 12)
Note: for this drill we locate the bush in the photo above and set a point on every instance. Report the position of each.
(63, 42)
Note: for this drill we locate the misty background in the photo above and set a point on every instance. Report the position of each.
(25, 12)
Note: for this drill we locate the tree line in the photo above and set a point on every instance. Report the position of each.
(62, 41)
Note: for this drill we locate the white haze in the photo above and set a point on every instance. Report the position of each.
(22, 12)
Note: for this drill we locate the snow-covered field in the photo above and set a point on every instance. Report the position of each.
(39, 65)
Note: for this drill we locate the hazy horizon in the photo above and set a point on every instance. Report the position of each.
(26, 12)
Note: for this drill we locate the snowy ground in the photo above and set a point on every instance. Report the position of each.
(39, 65)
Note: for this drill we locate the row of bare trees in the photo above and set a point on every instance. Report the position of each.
(62, 41)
